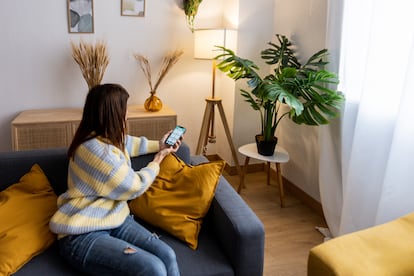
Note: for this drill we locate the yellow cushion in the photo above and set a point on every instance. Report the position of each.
(386, 249)
(25, 210)
(179, 198)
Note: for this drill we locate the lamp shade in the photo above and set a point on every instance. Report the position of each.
(205, 41)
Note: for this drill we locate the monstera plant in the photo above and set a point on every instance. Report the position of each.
(304, 89)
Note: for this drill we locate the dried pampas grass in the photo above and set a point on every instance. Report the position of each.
(169, 60)
(92, 60)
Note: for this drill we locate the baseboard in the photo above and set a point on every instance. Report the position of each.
(304, 197)
(289, 186)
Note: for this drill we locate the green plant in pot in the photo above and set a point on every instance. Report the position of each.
(190, 10)
(303, 88)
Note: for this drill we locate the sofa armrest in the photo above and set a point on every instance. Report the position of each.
(239, 230)
(141, 161)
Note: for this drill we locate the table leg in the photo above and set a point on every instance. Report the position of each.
(241, 184)
(281, 191)
(268, 173)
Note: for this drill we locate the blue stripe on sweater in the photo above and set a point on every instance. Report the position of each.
(96, 151)
(90, 212)
(129, 141)
(128, 144)
(84, 188)
(126, 185)
(143, 146)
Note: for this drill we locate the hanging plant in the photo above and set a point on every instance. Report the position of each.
(190, 10)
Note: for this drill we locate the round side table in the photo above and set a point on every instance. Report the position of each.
(280, 156)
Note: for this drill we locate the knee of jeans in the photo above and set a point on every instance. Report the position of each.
(170, 253)
(156, 268)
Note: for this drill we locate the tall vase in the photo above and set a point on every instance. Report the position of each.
(153, 103)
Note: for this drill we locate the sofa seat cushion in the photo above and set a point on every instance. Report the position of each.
(208, 259)
(386, 249)
(49, 263)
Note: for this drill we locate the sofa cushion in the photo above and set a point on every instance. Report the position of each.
(208, 259)
(179, 198)
(25, 211)
(385, 249)
(49, 263)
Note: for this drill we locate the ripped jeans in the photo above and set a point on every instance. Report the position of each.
(129, 249)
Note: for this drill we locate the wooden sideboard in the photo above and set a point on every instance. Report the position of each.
(55, 128)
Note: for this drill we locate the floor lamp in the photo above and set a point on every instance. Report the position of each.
(205, 41)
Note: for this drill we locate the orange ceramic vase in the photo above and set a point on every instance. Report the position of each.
(153, 103)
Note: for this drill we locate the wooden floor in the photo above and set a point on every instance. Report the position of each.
(290, 231)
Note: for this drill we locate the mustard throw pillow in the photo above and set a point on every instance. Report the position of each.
(179, 198)
(25, 210)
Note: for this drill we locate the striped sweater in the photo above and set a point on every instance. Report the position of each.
(100, 181)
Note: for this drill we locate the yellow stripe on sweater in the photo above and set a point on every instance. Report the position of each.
(97, 162)
(85, 177)
(152, 146)
(118, 181)
(92, 223)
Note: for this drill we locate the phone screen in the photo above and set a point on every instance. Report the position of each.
(175, 135)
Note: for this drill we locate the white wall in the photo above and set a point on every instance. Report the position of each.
(304, 22)
(255, 31)
(37, 70)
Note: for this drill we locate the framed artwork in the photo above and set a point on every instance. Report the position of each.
(133, 7)
(80, 16)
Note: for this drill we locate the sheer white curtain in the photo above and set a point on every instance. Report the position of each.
(367, 157)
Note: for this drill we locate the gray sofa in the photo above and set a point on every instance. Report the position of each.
(231, 241)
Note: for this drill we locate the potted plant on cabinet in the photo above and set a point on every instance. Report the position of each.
(303, 88)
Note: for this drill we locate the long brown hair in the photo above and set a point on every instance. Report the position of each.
(104, 115)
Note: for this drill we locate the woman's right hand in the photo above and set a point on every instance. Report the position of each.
(166, 149)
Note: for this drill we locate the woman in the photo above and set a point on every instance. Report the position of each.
(96, 233)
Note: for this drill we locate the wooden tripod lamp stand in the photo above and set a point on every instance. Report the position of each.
(205, 41)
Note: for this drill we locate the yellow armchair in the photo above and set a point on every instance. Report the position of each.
(386, 249)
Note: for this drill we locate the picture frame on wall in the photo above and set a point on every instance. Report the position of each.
(80, 16)
(133, 8)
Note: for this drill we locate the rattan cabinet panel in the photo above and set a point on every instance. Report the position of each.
(149, 129)
(55, 128)
(39, 136)
(152, 125)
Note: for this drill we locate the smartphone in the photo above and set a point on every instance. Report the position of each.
(176, 134)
